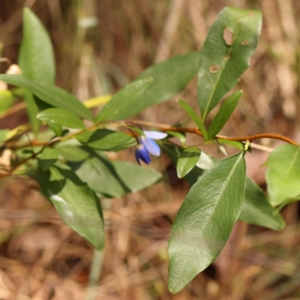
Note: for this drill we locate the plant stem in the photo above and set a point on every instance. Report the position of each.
(95, 273)
(161, 127)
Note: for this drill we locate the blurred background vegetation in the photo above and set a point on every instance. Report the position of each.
(101, 46)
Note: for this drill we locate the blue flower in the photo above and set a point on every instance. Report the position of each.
(147, 145)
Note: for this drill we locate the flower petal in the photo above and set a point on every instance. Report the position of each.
(156, 135)
(141, 153)
(151, 146)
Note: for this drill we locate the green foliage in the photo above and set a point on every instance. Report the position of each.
(3, 135)
(61, 117)
(189, 110)
(169, 78)
(223, 62)
(106, 140)
(120, 106)
(32, 110)
(48, 158)
(200, 229)
(223, 114)
(257, 210)
(283, 174)
(75, 202)
(50, 94)
(6, 100)
(113, 178)
(74, 173)
(187, 160)
(36, 57)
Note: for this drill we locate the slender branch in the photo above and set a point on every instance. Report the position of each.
(34, 155)
(250, 138)
(258, 137)
(162, 127)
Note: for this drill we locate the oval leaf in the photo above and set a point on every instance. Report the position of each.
(120, 106)
(169, 78)
(257, 210)
(62, 117)
(174, 153)
(36, 57)
(187, 160)
(106, 140)
(50, 94)
(75, 202)
(223, 62)
(205, 220)
(282, 176)
(223, 114)
(114, 179)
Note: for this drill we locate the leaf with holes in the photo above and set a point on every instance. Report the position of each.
(223, 60)
(205, 220)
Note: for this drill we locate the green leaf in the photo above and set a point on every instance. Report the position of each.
(48, 158)
(3, 134)
(205, 220)
(206, 161)
(257, 210)
(56, 128)
(283, 174)
(223, 114)
(6, 100)
(174, 153)
(36, 57)
(179, 135)
(62, 117)
(106, 140)
(50, 94)
(187, 160)
(75, 202)
(221, 62)
(121, 105)
(32, 110)
(189, 110)
(72, 153)
(114, 179)
(238, 145)
(169, 78)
